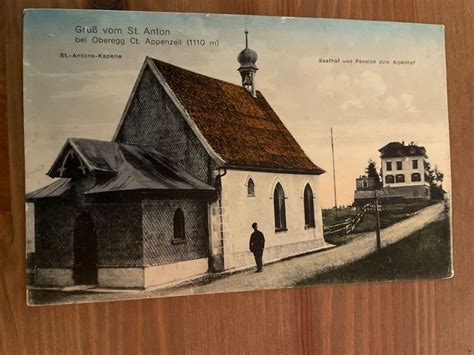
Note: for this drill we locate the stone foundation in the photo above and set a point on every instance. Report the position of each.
(121, 277)
(127, 277)
(57, 277)
(393, 195)
(163, 274)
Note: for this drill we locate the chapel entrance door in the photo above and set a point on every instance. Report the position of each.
(85, 251)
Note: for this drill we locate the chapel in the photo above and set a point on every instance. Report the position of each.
(193, 163)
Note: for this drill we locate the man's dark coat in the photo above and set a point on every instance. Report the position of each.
(257, 241)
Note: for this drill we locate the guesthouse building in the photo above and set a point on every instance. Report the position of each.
(404, 175)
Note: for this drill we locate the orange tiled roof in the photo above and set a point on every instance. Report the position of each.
(243, 130)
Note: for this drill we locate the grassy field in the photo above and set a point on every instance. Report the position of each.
(424, 254)
(390, 214)
(330, 218)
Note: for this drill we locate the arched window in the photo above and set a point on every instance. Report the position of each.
(415, 177)
(308, 207)
(389, 179)
(279, 208)
(250, 188)
(400, 178)
(178, 225)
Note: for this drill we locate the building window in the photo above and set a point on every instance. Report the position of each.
(365, 184)
(279, 208)
(389, 179)
(414, 164)
(308, 207)
(250, 188)
(178, 226)
(399, 165)
(415, 177)
(400, 178)
(389, 166)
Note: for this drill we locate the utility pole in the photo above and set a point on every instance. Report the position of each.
(377, 228)
(334, 173)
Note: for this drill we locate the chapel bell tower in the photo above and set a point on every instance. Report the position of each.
(247, 58)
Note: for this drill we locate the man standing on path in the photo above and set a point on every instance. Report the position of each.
(256, 245)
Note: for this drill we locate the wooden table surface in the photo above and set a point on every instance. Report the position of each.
(409, 317)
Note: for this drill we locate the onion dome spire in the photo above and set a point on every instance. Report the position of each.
(247, 59)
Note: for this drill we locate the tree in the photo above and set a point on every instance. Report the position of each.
(435, 178)
(371, 171)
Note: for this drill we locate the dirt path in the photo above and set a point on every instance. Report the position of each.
(288, 273)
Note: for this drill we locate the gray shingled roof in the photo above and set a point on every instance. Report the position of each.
(123, 167)
(56, 189)
(397, 149)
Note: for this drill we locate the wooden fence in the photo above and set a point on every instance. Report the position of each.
(349, 224)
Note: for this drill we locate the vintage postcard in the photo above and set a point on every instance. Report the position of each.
(174, 154)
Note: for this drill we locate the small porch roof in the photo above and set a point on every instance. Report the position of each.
(120, 167)
(56, 189)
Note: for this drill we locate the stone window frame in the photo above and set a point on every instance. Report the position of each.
(414, 164)
(416, 177)
(179, 227)
(391, 178)
(279, 208)
(399, 165)
(308, 206)
(400, 178)
(388, 165)
(250, 184)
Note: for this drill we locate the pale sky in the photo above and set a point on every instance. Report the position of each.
(368, 105)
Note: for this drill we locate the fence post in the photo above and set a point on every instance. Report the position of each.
(377, 230)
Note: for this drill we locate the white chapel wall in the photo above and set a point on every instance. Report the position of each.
(241, 210)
